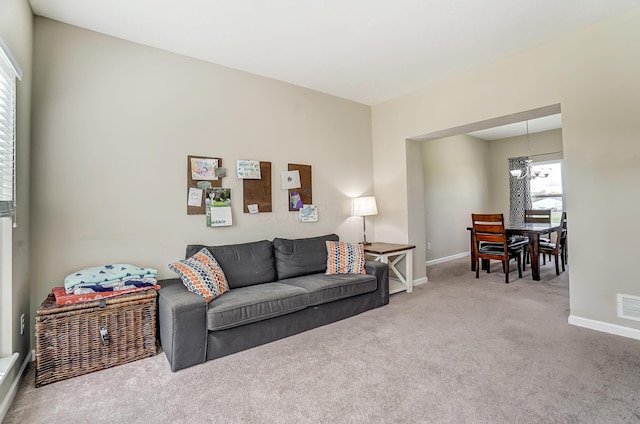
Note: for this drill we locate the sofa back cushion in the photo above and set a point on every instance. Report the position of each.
(295, 257)
(243, 264)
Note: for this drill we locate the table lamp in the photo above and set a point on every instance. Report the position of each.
(364, 206)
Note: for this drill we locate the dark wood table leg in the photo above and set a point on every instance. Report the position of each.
(472, 250)
(534, 240)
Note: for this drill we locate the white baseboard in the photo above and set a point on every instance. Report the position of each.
(605, 327)
(6, 403)
(419, 281)
(448, 258)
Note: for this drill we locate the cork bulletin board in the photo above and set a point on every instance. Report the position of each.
(191, 183)
(258, 192)
(305, 184)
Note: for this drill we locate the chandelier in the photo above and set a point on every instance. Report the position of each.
(529, 172)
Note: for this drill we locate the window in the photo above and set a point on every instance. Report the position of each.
(546, 192)
(9, 71)
(8, 76)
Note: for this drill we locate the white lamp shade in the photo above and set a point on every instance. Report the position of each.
(364, 206)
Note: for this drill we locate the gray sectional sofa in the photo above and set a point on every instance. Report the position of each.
(277, 289)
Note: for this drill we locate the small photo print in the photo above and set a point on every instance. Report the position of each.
(203, 169)
(295, 201)
(309, 213)
(195, 197)
(221, 172)
(218, 197)
(248, 169)
(218, 207)
(290, 179)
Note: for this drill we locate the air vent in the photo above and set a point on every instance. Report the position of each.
(629, 307)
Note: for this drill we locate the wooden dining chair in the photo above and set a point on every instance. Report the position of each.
(490, 243)
(558, 249)
(537, 216)
(565, 240)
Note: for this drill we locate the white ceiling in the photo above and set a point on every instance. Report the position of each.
(368, 51)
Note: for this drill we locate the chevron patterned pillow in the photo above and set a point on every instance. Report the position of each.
(345, 258)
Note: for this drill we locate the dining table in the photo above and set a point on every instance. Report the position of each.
(532, 231)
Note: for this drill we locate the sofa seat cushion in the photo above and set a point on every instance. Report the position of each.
(327, 288)
(245, 305)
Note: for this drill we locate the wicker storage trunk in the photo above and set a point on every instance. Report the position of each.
(69, 340)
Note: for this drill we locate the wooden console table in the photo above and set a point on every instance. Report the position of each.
(391, 254)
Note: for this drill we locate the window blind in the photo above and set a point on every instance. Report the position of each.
(9, 71)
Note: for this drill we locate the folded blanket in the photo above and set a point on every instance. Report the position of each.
(62, 298)
(103, 275)
(116, 286)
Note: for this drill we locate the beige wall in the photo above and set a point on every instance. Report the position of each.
(456, 181)
(592, 74)
(16, 28)
(415, 192)
(113, 124)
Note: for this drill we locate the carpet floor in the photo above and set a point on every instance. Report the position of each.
(456, 350)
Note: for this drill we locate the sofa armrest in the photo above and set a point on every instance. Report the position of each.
(381, 271)
(182, 317)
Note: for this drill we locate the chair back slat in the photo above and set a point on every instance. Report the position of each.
(487, 217)
(489, 228)
(489, 238)
(541, 216)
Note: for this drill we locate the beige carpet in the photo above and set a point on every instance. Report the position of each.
(456, 350)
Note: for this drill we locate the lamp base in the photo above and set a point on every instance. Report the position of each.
(365, 243)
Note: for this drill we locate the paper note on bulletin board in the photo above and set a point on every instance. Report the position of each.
(258, 192)
(199, 183)
(305, 186)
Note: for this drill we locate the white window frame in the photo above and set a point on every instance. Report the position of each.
(10, 71)
(6, 289)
